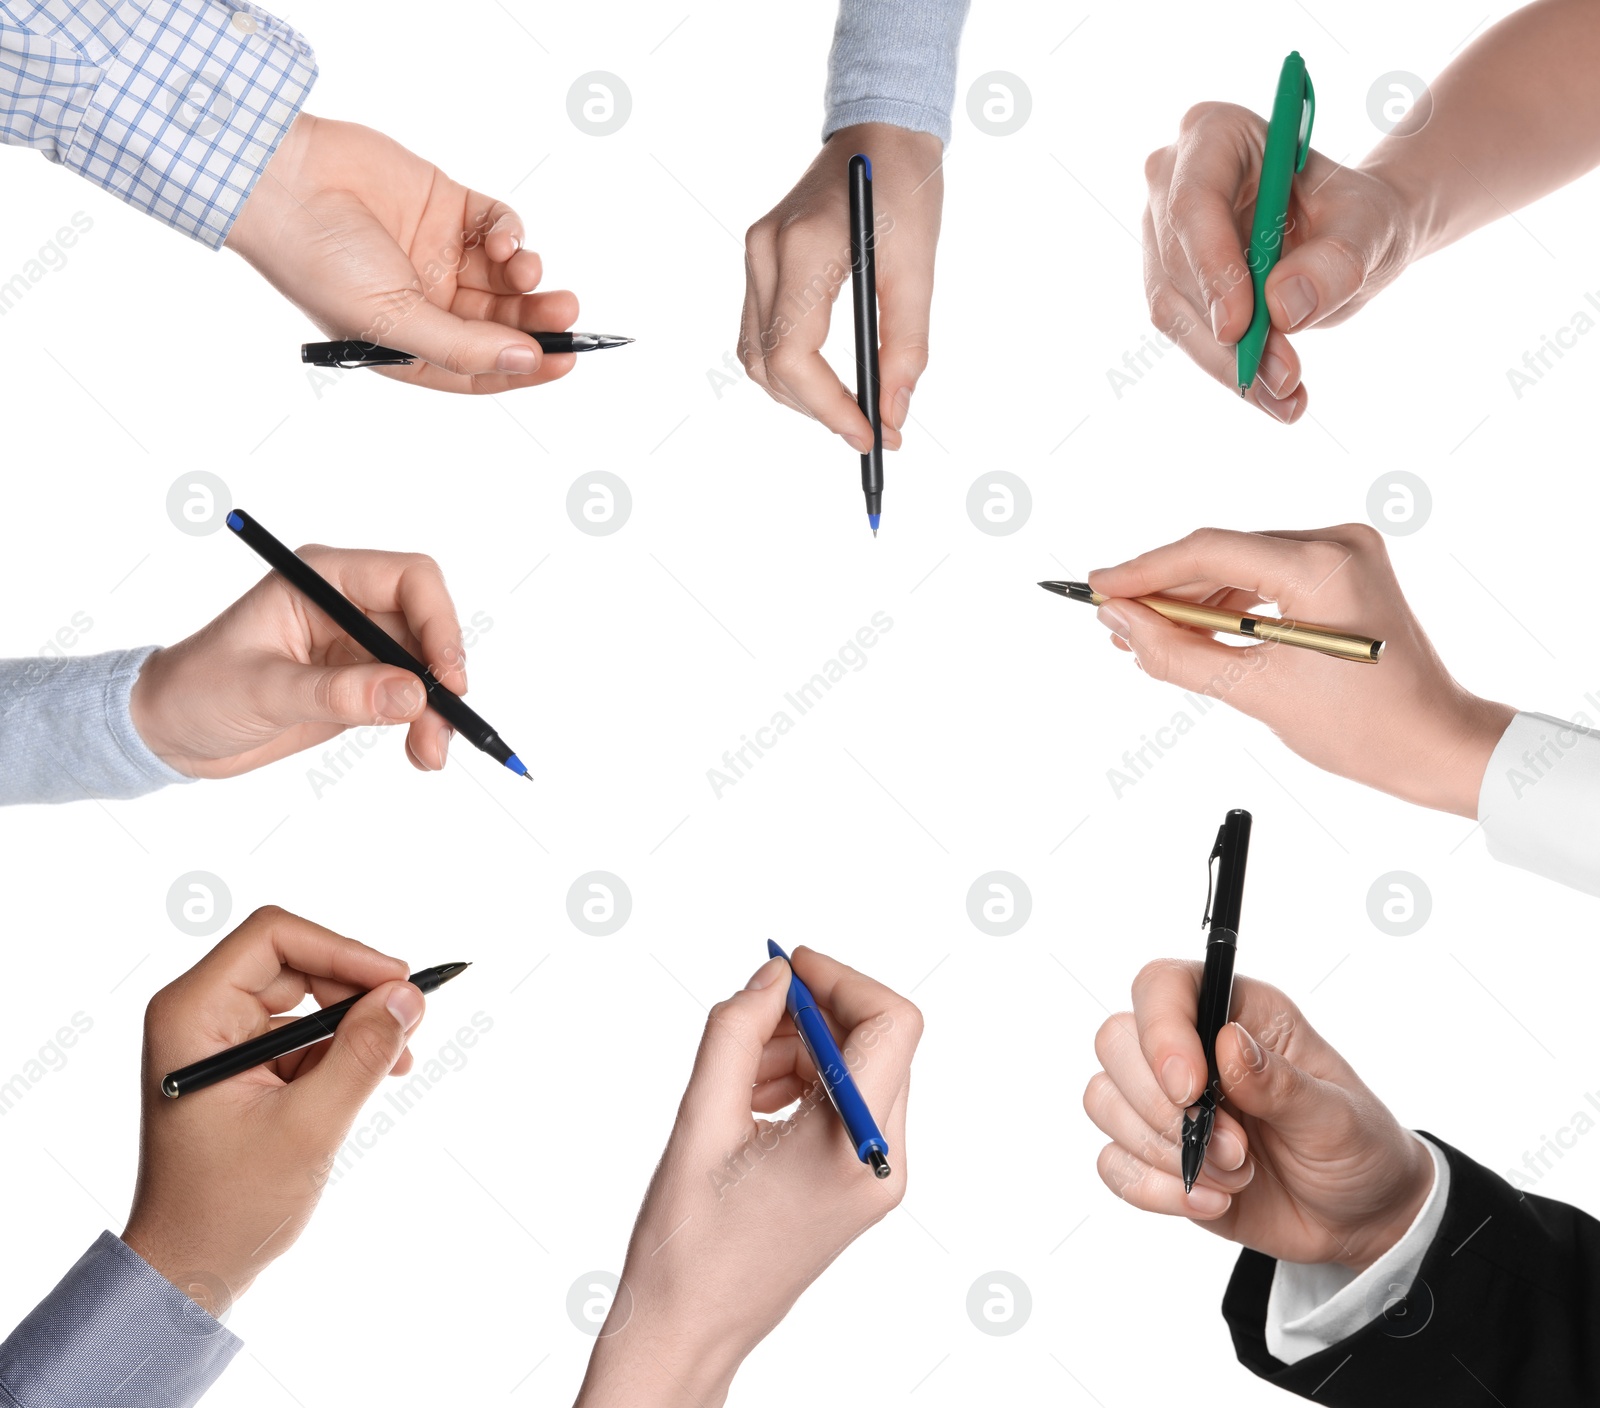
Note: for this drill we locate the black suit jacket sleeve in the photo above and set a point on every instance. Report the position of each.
(1505, 1308)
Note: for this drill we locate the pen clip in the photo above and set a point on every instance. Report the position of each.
(1308, 111)
(1211, 875)
(337, 354)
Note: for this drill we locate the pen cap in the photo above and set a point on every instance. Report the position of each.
(1230, 853)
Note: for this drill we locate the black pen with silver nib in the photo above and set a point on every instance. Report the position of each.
(1224, 897)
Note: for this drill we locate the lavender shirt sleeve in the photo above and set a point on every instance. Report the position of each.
(894, 61)
(114, 1333)
(66, 732)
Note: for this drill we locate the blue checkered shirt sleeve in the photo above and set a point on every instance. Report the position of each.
(174, 106)
(115, 1333)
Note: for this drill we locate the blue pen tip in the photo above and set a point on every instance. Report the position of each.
(873, 520)
(517, 765)
(236, 521)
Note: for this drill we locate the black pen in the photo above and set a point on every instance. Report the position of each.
(356, 353)
(372, 638)
(864, 297)
(308, 1031)
(1223, 900)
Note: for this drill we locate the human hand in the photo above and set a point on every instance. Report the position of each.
(272, 675)
(1350, 233)
(744, 1213)
(797, 258)
(1305, 1165)
(373, 242)
(1402, 725)
(230, 1175)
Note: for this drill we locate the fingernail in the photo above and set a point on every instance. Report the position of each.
(1219, 315)
(1207, 1202)
(1226, 1150)
(857, 444)
(1176, 1078)
(1273, 372)
(405, 1005)
(1278, 410)
(1115, 622)
(766, 974)
(517, 361)
(902, 407)
(399, 700)
(444, 746)
(1297, 300)
(1254, 1058)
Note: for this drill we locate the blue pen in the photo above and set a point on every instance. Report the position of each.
(871, 1147)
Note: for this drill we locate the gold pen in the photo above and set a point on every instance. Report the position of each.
(1341, 644)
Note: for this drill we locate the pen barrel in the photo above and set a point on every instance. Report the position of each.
(864, 301)
(307, 1031)
(839, 1084)
(1344, 644)
(1216, 997)
(1270, 220)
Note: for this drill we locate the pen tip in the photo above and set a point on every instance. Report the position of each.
(878, 1164)
(1242, 391)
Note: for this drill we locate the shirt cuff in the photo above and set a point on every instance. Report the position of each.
(190, 108)
(1313, 1308)
(112, 1334)
(1539, 803)
(894, 61)
(66, 730)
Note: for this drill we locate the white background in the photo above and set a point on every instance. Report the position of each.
(977, 737)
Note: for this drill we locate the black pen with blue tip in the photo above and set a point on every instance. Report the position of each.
(372, 638)
(864, 300)
(817, 1038)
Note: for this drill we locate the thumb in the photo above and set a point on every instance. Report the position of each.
(1256, 1081)
(1315, 279)
(904, 306)
(470, 347)
(342, 694)
(364, 1049)
(729, 1059)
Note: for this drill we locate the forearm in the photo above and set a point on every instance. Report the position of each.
(1515, 117)
(66, 731)
(114, 1334)
(894, 61)
(1504, 1296)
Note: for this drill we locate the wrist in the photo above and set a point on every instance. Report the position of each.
(647, 1360)
(867, 136)
(1383, 1231)
(191, 1272)
(147, 711)
(271, 201)
(1482, 724)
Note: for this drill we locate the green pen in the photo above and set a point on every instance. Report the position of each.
(1288, 145)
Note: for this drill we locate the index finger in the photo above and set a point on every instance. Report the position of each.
(1166, 1000)
(408, 583)
(254, 958)
(1212, 558)
(876, 1019)
(1212, 164)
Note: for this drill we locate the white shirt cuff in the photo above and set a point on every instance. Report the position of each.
(1539, 804)
(1313, 1308)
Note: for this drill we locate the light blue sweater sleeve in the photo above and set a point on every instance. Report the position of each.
(66, 733)
(894, 61)
(114, 1333)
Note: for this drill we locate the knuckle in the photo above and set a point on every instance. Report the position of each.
(1110, 1035)
(1196, 117)
(1158, 166)
(1169, 312)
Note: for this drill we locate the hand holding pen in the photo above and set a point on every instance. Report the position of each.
(229, 1177)
(1404, 726)
(269, 677)
(1306, 1163)
(744, 1213)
